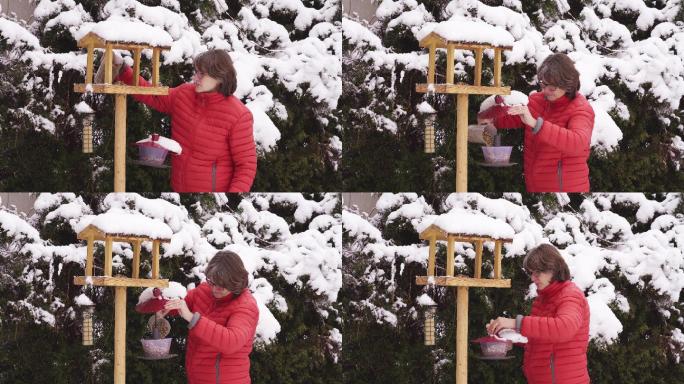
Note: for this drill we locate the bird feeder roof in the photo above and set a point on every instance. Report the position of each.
(123, 225)
(122, 32)
(460, 223)
(465, 33)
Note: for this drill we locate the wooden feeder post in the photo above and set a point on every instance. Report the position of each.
(434, 233)
(91, 41)
(120, 283)
(434, 41)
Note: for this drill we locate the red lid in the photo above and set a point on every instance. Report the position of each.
(494, 112)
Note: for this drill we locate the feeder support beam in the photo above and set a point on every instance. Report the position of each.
(120, 335)
(462, 335)
(462, 143)
(120, 143)
(450, 256)
(478, 259)
(431, 257)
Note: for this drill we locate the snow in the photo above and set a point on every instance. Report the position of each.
(302, 253)
(175, 290)
(595, 241)
(118, 29)
(424, 300)
(606, 53)
(302, 65)
(468, 30)
(465, 223)
(120, 222)
(166, 143)
(14, 226)
(17, 35)
(515, 98)
(83, 107)
(511, 335)
(425, 107)
(82, 300)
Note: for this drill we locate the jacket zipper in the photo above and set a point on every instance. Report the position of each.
(213, 177)
(218, 369)
(553, 371)
(560, 175)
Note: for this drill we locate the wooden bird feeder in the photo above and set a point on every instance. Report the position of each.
(434, 233)
(90, 42)
(90, 234)
(434, 41)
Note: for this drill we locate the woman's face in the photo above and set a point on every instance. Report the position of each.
(216, 291)
(551, 92)
(540, 279)
(204, 82)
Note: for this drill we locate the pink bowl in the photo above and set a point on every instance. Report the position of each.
(495, 348)
(156, 348)
(497, 155)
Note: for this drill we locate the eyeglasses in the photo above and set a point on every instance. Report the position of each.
(212, 284)
(550, 87)
(531, 273)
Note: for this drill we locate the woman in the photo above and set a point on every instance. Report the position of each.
(212, 126)
(558, 122)
(222, 317)
(557, 329)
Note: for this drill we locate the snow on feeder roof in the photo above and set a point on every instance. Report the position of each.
(116, 29)
(465, 31)
(466, 224)
(117, 222)
(163, 142)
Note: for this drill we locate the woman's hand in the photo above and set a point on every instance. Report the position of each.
(162, 312)
(494, 326)
(181, 306)
(524, 114)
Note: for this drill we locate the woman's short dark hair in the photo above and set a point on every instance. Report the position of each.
(546, 258)
(218, 64)
(559, 70)
(226, 270)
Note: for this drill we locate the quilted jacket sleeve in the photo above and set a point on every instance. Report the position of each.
(228, 339)
(163, 104)
(561, 327)
(243, 150)
(576, 138)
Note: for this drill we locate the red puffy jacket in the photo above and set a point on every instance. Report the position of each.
(558, 335)
(220, 342)
(555, 158)
(215, 133)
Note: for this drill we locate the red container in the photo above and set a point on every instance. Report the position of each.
(495, 111)
(151, 152)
